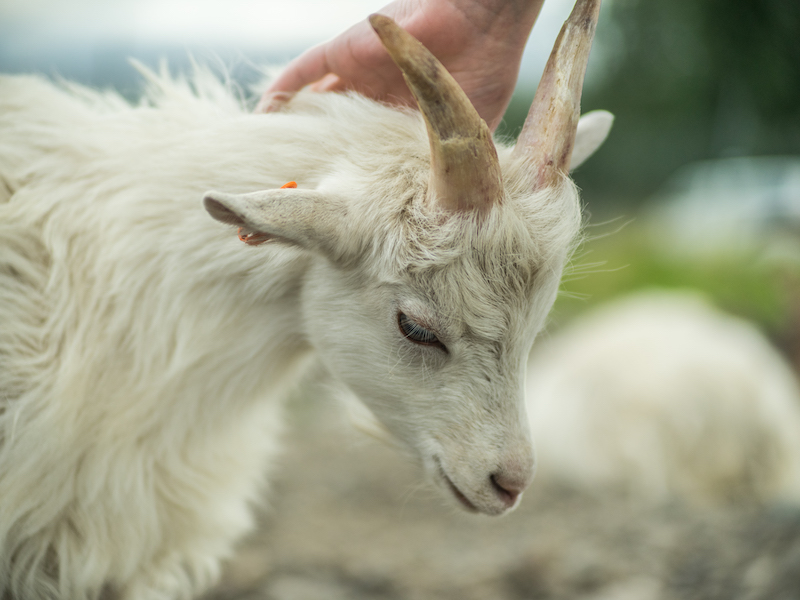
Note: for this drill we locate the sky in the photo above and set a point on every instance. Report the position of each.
(33, 32)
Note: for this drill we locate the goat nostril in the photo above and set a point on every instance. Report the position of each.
(507, 491)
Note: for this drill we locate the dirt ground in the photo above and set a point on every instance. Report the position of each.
(348, 519)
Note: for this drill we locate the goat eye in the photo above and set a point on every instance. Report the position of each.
(416, 333)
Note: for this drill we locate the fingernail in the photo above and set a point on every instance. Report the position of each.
(326, 84)
(273, 102)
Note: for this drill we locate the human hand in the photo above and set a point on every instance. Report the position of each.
(479, 41)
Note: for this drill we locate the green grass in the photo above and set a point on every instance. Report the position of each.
(631, 260)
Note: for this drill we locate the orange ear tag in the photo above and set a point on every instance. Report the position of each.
(255, 238)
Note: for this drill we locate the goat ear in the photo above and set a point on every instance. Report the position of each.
(305, 218)
(593, 129)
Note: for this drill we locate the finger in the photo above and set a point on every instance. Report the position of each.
(306, 68)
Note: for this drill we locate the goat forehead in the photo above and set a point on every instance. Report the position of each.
(487, 297)
(479, 274)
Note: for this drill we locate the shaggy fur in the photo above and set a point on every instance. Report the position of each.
(665, 397)
(144, 350)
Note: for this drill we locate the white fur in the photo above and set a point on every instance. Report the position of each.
(666, 397)
(145, 351)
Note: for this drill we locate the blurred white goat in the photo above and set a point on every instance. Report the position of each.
(665, 397)
(144, 350)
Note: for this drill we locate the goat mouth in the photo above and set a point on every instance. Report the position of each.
(453, 489)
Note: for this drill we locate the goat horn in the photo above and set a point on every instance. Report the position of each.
(465, 172)
(548, 136)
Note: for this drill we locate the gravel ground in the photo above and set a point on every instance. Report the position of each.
(348, 519)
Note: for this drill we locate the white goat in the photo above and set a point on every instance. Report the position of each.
(144, 350)
(665, 397)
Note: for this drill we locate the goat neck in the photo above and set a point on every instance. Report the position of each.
(548, 136)
(465, 173)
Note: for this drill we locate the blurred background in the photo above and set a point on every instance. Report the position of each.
(697, 188)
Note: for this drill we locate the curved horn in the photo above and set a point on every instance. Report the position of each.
(548, 136)
(465, 172)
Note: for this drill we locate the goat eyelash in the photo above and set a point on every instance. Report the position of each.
(416, 333)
